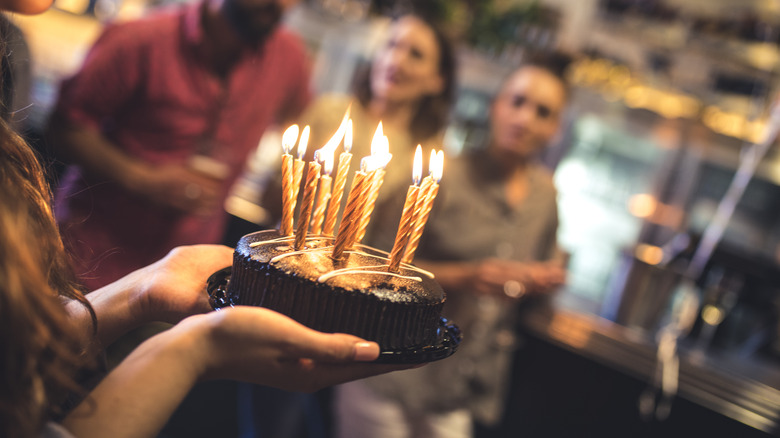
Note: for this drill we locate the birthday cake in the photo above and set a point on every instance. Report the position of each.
(355, 294)
(324, 278)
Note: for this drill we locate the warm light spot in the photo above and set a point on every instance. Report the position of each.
(348, 136)
(383, 155)
(341, 133)
(570, 329)
(438, 169)
(650, 254)
(377, 142)
(289, 137)
(328, 158)
(619, 76)
(642, 205)
(369, 164)
(755, 130)
(636, 96)
(303, 143)
(669, 106)
(690, 106)
(417, 165)
(380, 149)
(712, 315)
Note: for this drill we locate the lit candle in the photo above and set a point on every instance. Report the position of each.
(380, 152)
(323, 193)
(288, 206)
(407, 215)
(338, 184)
(349, 221)
(436, 169)
(312, 177)
(298, 164)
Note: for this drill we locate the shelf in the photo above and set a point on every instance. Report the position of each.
(747, 391)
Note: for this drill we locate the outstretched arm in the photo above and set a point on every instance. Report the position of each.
(169, 290)
(177, 186)
(490, 276)
(243, 343)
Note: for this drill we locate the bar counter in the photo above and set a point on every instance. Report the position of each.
(577, 374)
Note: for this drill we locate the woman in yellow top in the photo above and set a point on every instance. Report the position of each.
(409, 86)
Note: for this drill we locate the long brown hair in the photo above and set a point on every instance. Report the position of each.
(40, 351)
(433, 112)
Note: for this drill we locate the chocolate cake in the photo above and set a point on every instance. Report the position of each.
(354, 295)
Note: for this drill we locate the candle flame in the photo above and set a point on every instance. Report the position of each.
(328, 161)
(437, 171)
(348, 136)
(369, 164)
(340, 133)
(432, 162)
(303, 143)
(417, 167)
(289, 137)
(377, 142)
(380, 152)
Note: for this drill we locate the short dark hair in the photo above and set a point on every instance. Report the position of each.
(433, 112)
(554, 62)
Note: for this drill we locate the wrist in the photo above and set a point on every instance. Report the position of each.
(192, 343)
(132, 175)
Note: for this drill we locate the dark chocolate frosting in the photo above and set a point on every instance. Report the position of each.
(352, 295)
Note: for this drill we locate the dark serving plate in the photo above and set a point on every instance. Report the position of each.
(447, 342)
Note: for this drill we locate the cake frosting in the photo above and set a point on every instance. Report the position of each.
(353, 295)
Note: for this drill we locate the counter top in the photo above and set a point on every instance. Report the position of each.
(746, 390)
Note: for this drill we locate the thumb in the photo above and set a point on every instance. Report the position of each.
(336, 347)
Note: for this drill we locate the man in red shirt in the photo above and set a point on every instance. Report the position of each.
(157, 125)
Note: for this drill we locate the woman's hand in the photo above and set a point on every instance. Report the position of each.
(261, 346)
(174, 287)
(176, 186)
(169, 290)
(244, 343)
(500, 277)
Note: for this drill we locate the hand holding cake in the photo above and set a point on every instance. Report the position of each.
(332, 283)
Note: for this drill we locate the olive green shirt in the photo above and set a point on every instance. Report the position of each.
(471, 220)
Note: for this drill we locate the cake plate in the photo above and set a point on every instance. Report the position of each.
(448, 334)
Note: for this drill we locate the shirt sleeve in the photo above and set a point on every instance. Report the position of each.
(107, 80)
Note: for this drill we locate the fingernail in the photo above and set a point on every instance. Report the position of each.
(366, 351)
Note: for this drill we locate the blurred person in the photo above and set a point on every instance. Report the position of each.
(490, 241)
(157, 124)
(51, 331)
(409, 86)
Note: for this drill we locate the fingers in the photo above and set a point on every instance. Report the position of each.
(261, 346)
(183, 189)
(334, 348)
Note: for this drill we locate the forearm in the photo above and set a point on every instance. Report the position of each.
(451, 276)
(114, 306)
(94, 153)
(137, 398)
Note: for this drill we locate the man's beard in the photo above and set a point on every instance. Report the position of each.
(243, 20)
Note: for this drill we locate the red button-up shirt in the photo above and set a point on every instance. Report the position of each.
(146, 87)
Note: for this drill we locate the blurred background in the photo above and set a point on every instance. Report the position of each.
(668, 95)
